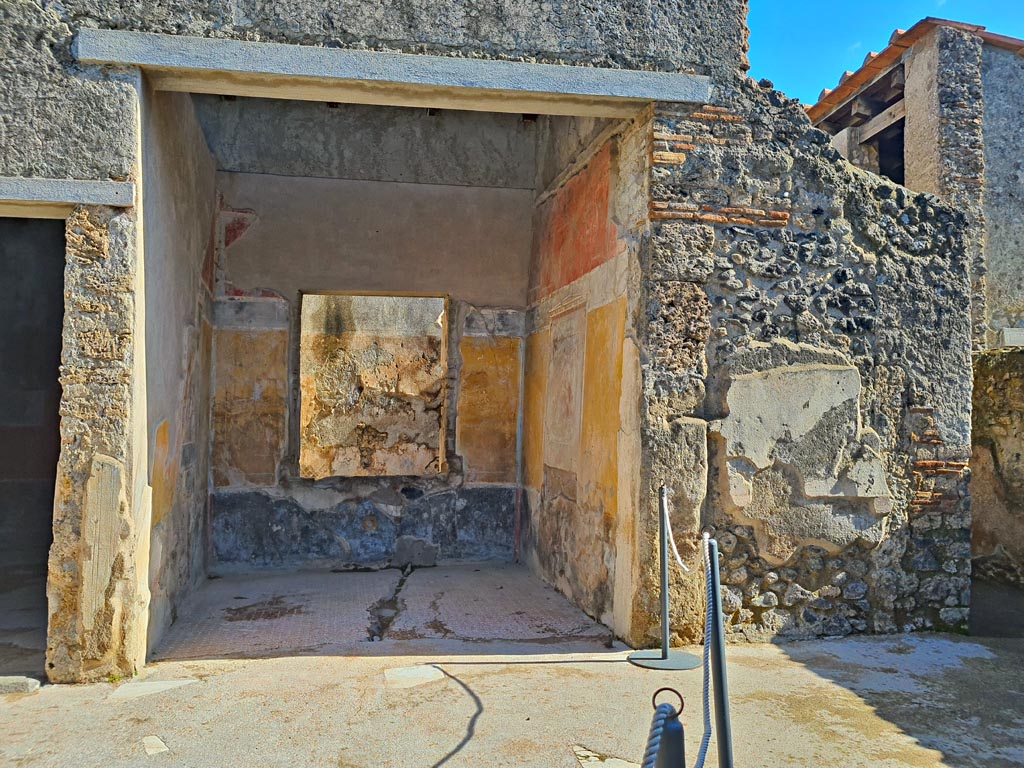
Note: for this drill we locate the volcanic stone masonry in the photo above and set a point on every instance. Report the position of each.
(813, 321)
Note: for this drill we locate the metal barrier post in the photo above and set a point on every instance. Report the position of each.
(666, 658)
(721, 683)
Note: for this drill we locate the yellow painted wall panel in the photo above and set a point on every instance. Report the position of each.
(602, 389)
(488, 408)
(249, 406)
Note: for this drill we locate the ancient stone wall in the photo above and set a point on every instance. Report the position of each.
(945, 148)
(98, 583)
(579, 386)
(807, 347)
(1002, 74)
(179, 206)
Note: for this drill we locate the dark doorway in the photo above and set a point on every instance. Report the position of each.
(31, 316)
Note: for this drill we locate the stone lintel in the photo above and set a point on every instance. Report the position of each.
(277, 70)
(56, 198)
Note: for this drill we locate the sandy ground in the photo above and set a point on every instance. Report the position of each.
(484, 666)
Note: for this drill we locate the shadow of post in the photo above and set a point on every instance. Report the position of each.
(470, 726)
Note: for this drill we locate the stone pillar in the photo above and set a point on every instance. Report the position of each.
(97, 587)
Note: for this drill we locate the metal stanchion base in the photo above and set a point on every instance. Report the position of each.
(654, 659)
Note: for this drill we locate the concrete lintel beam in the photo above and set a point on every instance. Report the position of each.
(276, 70)
(35, 198)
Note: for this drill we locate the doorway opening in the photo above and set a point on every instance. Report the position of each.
(31, 318)
(418, 355)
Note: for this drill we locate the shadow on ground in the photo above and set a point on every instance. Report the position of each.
(961, 699)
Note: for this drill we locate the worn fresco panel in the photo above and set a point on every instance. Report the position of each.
(535, 381)
(602, 386)
(574, 232)
(488, 408)
(564, 402)
(372, 373)
(250, 406)
(997, 474)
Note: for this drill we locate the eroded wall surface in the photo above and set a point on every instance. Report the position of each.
(1002, 76)
(807, 344)
(996, 465)
(98, 585)
(997, 473)
(945, 152)
(372, 374)
(423, 215)
(587, 230)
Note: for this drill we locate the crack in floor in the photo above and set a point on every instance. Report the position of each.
(384, 612)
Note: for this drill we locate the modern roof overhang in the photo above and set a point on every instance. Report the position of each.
(876, 65)
(276, 70)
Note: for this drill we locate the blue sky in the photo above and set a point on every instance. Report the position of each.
(805, 45)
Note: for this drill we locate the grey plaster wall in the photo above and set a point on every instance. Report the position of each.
(560, 141)
(1003, 88)
(179, 206)
(354, 141)
(58, 120)
(32, 259)
(921, 147)
(997, 472)
(341, 235)
(642, 34)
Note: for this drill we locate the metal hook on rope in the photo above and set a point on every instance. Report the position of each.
(666, 743)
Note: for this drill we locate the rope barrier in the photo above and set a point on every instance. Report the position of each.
(705, 741)
(661, 714)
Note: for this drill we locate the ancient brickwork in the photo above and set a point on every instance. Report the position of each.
(97, 590)
(806, 317)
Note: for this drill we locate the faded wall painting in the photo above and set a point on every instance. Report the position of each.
(372, 373)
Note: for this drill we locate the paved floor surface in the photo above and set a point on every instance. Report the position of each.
(318, 612)
(23, 620)
(556, 697)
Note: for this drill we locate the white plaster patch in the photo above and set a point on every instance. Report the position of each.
(138, 688)
(154, 745)
(410, 677)
(783, 403)
(587, 757)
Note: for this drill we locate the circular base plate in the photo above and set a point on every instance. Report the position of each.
(676, 660)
